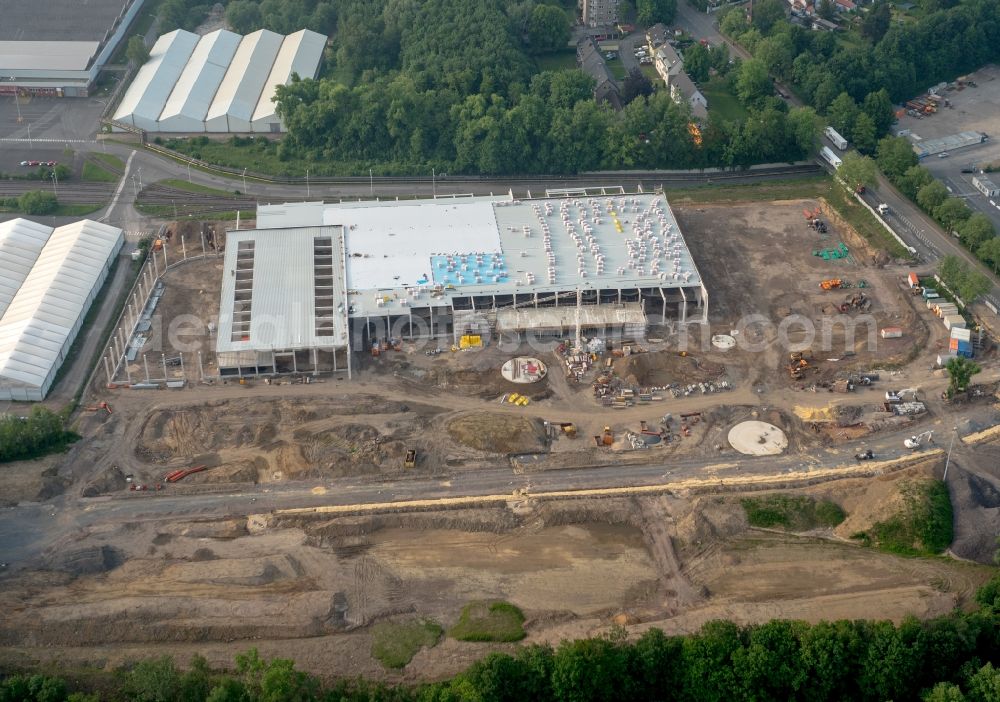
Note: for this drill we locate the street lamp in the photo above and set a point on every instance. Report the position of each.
(308, 192)
(947, 460)
(244, 181)
(371, 182)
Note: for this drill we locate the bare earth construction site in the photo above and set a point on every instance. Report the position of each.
(306, 523)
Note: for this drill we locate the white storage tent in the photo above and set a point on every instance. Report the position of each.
(193, 94)
(45, 314)
(146, 97)
(236, 99)
(21, 242)
(300, 53)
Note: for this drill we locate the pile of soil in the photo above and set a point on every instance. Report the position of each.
(666, 367)
(499, 433)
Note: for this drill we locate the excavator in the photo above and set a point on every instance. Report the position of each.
(915, 442)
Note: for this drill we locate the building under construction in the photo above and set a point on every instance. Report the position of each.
(325, 278)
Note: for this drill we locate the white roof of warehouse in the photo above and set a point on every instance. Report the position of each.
(51, 300)
(283, 294)
(195, 89)
(46, 55)
(300, 53)
(498, 245)
(244, 81)
(148, 93)
(21, 242)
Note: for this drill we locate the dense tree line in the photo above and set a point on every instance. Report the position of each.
(856, 85)
(897, 160)
(41, 432)
(949, 658)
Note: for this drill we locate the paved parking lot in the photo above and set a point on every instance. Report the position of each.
(975, 109)
(48, 120)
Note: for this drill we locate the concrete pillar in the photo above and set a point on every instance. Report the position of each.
(163, 358)
(663, 316)
(184, 253)
(145, 364)
(315, 362)
(107, 369)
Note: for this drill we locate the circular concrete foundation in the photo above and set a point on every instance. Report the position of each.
(758, 439)
(723, 342)
(523, 370)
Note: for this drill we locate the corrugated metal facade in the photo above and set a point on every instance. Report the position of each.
(45, 314)
(301, 54)
(21, 241)
(232, 109)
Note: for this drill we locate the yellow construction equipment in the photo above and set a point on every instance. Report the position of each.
(831, 284)
(513, 398)
(569, 429)
(471, 341)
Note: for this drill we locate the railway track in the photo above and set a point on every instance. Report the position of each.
(67, 192)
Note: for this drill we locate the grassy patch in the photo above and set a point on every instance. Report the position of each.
(395, 643)
(167, 212)
(792, 512)
(811, 187)
(93, 173)
(924, 526)
(194, 187)
(559, 61)
(863, 221)
(110, 160)
(722, 101)
(617, 69)
(489, 621)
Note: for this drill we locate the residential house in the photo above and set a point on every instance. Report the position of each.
(591, 61)
(657, 36)
(682, 90)
(667, 63)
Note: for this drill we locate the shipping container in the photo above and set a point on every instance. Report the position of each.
(946, 310)
(953, 344)
(930, 293)
(891, 333)
(913, 280)
(943, 358)
(954, 320)
(960, 333)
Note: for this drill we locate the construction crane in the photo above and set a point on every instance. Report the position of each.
(917, 441)
(97, 408)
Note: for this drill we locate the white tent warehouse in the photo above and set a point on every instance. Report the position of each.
(217, 83)
(43, 316)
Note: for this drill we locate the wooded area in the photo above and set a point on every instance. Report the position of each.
(40, 433)
(950, 658)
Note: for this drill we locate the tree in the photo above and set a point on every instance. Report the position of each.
(591, 669)
(960, 372)
(767, 13)
(895, 156)
(636, 84)
(776, 53)
(876, 22)
(154, 680)
(734, 22)
(857, 170)
(863, 133)
(244, 16)
(984, 684)
(136, 51)
(951, 212)
(548, 29)
(626, 11)
(649, 12)
(825, 10)
(915, 178)
(944, 692)
(878, 106)
(931, 196)
(966, 282)
(842, 112)
(989, 252)
(752, 82)
(803, 127)
(37, 202)
(975, 231)
(697, 63)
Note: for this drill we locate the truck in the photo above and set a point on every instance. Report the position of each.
(838, 141)
(833, 159)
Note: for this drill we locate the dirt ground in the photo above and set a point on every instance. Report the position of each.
(311, 586)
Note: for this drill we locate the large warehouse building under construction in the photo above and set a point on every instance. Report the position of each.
(316, 280)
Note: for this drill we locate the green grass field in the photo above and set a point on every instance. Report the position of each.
(792, 512)
(489, 621)
(562, 61)
(395, 643)
(722, 101)
(93, 173)
(184, 185)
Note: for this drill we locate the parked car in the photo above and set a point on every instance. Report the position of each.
(51, 163)
(943, 154)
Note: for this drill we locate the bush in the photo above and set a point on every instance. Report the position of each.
(923, 526)
(37, 202)
(489, 621)
(795, 513)
(40, 433)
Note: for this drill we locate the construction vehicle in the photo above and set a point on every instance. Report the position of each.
(798, 365)
(176, 475)
(411, 458)
(915, 442)
(865, 455)
(157, 244)
(831, 284)
(97, 408)
(607, 438)
(568, 429)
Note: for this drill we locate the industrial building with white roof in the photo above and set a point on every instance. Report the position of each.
(48, 280)
(217, 83)
(321, 276)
